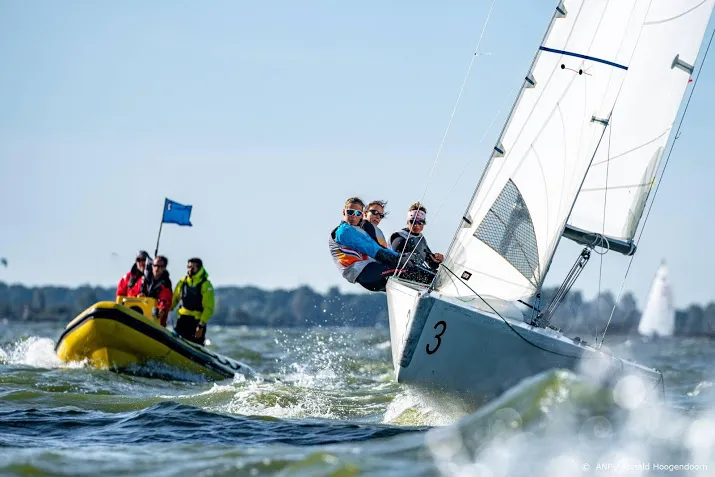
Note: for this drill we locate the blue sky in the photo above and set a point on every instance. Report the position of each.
(266, 116)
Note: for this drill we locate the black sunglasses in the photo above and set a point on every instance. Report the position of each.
(375, 212)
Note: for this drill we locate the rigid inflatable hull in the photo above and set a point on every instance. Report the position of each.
(114, 337)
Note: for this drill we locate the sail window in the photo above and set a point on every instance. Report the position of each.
(507, 228)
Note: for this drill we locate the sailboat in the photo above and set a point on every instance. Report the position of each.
(576, 159)
(658, 318)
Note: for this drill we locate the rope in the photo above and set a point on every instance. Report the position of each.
(459, 97)
(660, 381)
(449, 125)
(665, 166)
(519, 334)
(466, 166)
(603, 235)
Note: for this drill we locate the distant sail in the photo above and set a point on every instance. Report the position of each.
(659, 314)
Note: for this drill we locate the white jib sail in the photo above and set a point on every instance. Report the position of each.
(513, 224)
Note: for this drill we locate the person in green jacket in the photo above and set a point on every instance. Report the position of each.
(196, 295)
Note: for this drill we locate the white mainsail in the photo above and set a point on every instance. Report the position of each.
(659, 313)
(615, 190)
(515, 220)
(600, 97)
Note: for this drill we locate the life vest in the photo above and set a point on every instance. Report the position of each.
(153, 286)
(415, 247)
(131, 283)
(134, 277)
(350, 262)
(191, 296)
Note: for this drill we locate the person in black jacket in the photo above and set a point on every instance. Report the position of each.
(412, 244)
(157, 285)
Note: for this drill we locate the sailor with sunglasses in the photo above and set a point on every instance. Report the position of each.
(374, 213)
(359, 257)
(412, 244)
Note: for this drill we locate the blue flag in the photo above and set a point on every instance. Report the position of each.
(175, 213)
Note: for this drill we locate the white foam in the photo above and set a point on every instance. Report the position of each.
(36, 352)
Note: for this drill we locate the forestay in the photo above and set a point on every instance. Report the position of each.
(614, 193)
(513, 224)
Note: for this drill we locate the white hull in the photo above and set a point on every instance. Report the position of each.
(445, 345)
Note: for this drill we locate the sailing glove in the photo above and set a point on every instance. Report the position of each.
(383, 255)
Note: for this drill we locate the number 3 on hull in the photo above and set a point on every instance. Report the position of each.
(438, 336)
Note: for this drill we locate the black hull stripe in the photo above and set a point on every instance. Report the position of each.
(160, 336)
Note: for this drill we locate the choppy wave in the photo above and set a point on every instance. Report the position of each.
(328, 406)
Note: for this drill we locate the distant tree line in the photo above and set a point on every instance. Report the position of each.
(250, 306)
(575, 315)
(304, 307)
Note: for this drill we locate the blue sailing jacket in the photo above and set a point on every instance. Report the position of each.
(351, 237)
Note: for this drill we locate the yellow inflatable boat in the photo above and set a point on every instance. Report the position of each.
(124, 337)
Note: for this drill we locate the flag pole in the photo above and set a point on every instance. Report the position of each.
(156, 251)
(161, 224)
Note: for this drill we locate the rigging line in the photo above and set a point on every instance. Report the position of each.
(600, 356)
(603, 230)
(469, 161)
(665, 165)
(464, 169)
(459, 97)
(514, 106)
(604, 96)
(466, 165)
(451, 118)
(598, 145)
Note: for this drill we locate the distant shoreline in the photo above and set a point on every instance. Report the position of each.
(303, 307)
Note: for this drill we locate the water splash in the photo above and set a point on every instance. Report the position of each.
(584, 430)
(35, 352)
(702, 386)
